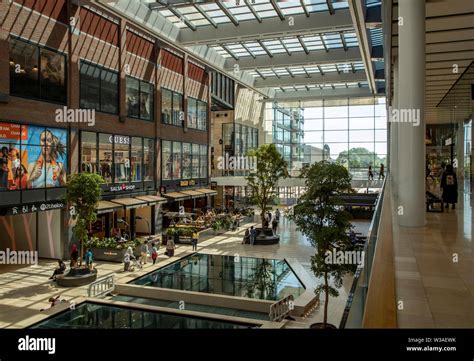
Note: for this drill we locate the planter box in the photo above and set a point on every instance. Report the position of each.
(209, 233)
(112, 254)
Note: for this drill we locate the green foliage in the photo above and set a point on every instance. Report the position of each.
(359, 158)
(111, 242)
(83, 193)
(270, 168)
(321, 218)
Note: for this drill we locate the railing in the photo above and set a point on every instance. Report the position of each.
(101, 287)
(282, 308)
(355, 306)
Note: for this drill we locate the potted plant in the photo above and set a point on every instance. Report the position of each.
(319, 215)
(263, 181)
(83, 193)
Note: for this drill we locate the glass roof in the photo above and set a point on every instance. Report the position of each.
(308, 69)
(308, 43)
(362, 84)
(241, 10)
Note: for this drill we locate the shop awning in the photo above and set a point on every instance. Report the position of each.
(177, 196)
(206, 191)
(193, 193)
(131, 202)
(107, 207)
(152, 200)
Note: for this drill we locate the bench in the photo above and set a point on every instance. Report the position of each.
(431, 200)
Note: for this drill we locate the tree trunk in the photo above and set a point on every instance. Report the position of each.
(326, 291)
(82, 252)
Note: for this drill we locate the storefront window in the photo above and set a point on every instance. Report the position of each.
(89, 152)
(146, 101)
(32, 157)
(149, 159)
(203, 172)
(195, 161)
(37, 72)
(176, 160)
(136, 159)
(186, 161)
(105, 157)
(122, 162)
(166, 160)
(121, 158)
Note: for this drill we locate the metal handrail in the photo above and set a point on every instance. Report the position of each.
(282, 308)
(102, 286)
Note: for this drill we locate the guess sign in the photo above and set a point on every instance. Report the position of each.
(118, 139)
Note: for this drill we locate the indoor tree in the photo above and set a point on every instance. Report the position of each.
(83, 193)
(319, 215)
(263, 181)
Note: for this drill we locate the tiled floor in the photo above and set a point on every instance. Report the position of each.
(435, 270)
(24, 291)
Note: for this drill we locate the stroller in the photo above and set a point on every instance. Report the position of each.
(135, 264)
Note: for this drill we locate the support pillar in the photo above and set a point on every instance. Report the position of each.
(411, 152)
(394, 146)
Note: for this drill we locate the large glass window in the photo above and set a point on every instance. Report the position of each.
(202, 115)
(176, 160)
(166, 106)
(105, 157)
(166, 160)
(186, 161)
(36, 72)
(192, 113)
(149, 159)
(89, 152)
(98, 88)
(178, 115)
(136, 159)
(352, 132)
(203, 172)
(139, 99)
(195, 161)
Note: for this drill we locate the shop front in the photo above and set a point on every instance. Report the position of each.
(33, 168)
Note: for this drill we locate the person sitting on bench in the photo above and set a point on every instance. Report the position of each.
(58, 271)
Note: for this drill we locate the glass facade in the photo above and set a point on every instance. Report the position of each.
(352, 132)
(288, 135)
(36, 72)
(183, 160)
(118, 158)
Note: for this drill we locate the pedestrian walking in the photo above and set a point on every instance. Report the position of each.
(195, 239)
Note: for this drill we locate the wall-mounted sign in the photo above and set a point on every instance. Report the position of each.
(35, 207)
(118, 139)
(192, 182)
(122, 188)
(448, 141)
(184, 183)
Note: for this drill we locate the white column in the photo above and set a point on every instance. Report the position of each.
(411, 152)
(394, 132)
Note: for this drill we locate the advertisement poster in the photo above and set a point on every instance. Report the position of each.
(32, 157)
